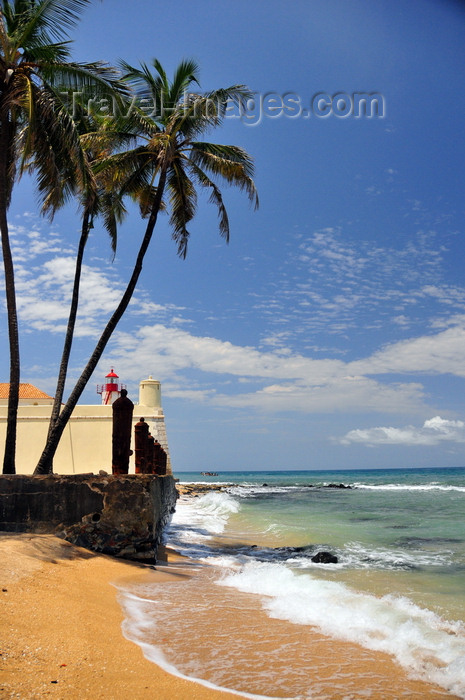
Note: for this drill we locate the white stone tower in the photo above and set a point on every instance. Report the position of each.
(151, 410)
(150, 393)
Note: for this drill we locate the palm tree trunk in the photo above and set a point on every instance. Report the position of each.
(60, 388)
(45, 464)
(13, 397)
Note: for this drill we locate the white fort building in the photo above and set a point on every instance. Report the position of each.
(86, 444)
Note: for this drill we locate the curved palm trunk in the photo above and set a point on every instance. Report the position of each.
(13, 397)
(60, 388)
(45, 464)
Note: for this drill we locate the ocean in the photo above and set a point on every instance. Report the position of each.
(260, 618)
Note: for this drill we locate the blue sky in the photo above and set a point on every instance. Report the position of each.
(330, 332)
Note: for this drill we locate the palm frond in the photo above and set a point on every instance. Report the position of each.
(48, 18)
(127, 171)
(94, 80)
(202, 112)
(53, 149)
(186, 73)
(145, 85)
(42, 53)
(215, 198)
(28, 104)
(231, 163)
(222, 98)
(183, 204)
(145, 196)
(105, 140)
(112, 209)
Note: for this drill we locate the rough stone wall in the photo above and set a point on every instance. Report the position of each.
(119, 515)
(158, 430)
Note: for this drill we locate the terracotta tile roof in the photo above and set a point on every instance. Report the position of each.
(26, 391)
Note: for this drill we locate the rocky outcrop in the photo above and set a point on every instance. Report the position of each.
(200, 489)
(119, 515)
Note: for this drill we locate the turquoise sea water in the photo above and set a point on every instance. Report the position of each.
(398, 585)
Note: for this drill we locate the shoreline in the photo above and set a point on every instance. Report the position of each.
(65, 638)
(61, 626)
(328, 660)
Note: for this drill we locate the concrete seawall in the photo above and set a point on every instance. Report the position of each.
(119, 515)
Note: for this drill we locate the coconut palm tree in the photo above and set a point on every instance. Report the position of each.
(36, 129)
(98, 139)
(169, 162)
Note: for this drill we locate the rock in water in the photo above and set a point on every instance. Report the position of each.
(324, 558)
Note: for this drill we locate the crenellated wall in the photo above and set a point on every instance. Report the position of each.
(119, 515)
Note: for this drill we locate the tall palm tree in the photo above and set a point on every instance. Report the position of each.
(36, 130)
(98, 138)
(169, 160)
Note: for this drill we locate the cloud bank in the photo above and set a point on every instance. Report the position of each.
(433, 432)
(273, 375)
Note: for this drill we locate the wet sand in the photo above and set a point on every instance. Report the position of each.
(60, 628)
(61, 634)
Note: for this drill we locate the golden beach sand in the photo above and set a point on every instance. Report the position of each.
(61, 633)
(61, 628)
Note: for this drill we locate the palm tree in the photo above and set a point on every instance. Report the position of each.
(98, 136)
(168, 161)
(36, 130)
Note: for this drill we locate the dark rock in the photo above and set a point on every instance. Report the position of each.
(337, 486)
(324, 558)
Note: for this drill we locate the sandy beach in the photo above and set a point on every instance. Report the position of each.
(61, 628)
(61, 632)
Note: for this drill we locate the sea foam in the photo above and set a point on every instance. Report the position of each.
(409, 487)
(422, 642)
(192, 528)
(212, 512)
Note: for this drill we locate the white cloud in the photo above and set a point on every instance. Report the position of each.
(279, 377)
(281, 382)
(441, 353)
(353, 284)
(28, 244)
(401, 320)
(433, 432)
(334, 396)
(44, 294)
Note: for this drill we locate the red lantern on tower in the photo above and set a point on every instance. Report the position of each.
(111, 390)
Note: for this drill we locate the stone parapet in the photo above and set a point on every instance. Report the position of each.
(119, 515)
